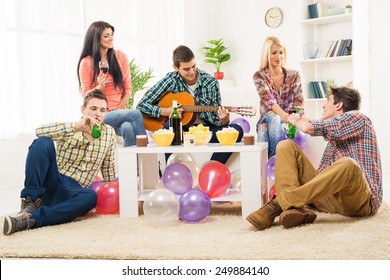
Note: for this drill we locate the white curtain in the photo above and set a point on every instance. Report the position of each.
(41, 44)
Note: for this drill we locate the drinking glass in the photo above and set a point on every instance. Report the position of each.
(103, 65)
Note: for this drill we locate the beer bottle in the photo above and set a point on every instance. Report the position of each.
(96, 131)
(292, 129)
(175, 124)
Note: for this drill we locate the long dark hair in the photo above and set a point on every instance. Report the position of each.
(91, 48)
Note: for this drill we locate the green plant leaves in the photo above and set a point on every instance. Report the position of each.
(138, 79)
(214, 54)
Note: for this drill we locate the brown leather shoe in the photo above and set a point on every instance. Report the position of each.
(295, 217)
(265, 216)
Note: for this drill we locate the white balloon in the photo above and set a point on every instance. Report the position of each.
(194, 169)
(179, 157)
(236, 179)
(161, 207)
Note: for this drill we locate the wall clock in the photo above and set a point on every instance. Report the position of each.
(274, 17)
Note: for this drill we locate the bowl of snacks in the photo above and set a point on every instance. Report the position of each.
(163, 137)
(201, 133)
(227, 136)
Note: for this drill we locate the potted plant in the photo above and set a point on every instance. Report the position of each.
(215, 54)
(348, 9)
(138, 80)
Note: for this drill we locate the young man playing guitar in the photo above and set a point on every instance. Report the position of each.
(202, 86)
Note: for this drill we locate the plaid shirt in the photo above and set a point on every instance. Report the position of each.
(206, 94)
(290, 91)
(352, 135)
(79, 158)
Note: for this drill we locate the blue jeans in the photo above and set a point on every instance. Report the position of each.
(63, 199)
(271, 132)
(127, 123)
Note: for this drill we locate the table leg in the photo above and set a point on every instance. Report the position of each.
(128, 186)
(251, 182)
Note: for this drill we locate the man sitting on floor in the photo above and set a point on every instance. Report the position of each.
(349, 178)
(57, 179)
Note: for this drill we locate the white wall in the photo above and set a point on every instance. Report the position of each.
(379, 43)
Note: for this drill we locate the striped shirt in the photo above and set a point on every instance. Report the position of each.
(352, 135)
(79, 158)
(206, 93)
(290, 91)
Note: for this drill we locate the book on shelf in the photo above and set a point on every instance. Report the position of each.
(325, 49)
(341, 48)
(312, 89)
(317, 10)
(334, 48)
(337, 48)
(348, 45)
(313, 12)
(318, 89)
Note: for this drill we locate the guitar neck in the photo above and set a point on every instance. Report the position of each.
(200, 109)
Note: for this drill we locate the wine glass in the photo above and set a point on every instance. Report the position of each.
(103, 65)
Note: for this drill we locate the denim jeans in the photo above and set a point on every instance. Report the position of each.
(63, 199)
(271, 132)
(127, 123)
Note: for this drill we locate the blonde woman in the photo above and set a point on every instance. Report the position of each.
(279, 89)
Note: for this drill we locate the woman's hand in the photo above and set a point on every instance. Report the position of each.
(101, 80)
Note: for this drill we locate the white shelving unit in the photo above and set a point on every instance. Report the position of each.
(340, 68)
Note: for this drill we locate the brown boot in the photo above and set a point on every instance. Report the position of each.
(295, 217)
(265, 216)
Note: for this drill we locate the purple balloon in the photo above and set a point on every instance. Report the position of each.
(195, 205)
(96, 185)
(300, 138)
(177, 178)
(246, 127)
(270, 168)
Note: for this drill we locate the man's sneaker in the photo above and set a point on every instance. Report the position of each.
(22, 221)
(295, 217)
(265, 216)
(28, 205)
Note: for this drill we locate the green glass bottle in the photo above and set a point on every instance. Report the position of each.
(292, 129)
(175, 124)
(96, 131)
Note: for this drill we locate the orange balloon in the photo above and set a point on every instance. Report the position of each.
(108, 199)
(214, 178)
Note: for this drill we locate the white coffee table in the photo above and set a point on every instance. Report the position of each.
(254, 181)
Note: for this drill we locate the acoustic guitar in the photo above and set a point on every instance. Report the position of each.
(187, 102)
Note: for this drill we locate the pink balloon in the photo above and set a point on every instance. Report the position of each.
(96, 185)
(272, 192)
(270, 168)
(214, 178)
(108, 199)
(177, 178)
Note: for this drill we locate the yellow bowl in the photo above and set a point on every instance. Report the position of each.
(203, 138)
(163, 139)
(227, 138)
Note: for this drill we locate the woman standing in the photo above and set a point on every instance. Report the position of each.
(279, 89)
(114, 82)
